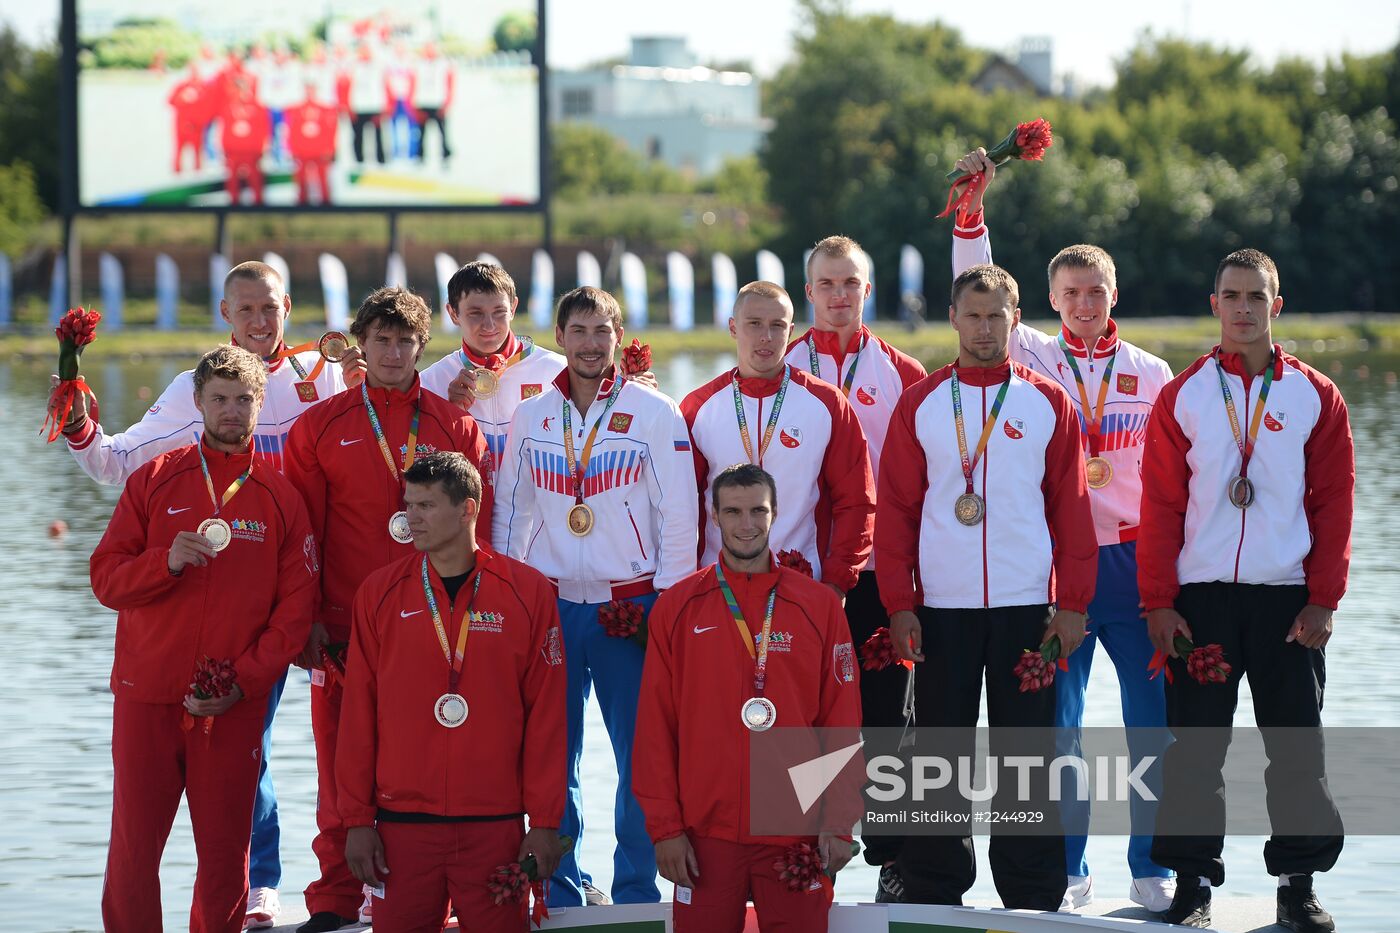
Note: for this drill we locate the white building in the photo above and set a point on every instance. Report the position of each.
(665, 106)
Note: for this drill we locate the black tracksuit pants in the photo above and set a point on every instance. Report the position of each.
(1250, 623)
(959, 645)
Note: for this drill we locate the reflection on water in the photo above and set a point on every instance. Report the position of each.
(55, 765)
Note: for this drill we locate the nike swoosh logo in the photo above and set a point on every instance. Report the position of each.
(345, 443)
(700, 631)
(405, 615)
(170, 511)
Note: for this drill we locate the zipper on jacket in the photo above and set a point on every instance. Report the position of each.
(1243, 512)
(986, 457)
(628, 506)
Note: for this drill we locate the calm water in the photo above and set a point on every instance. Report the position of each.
(55, 764)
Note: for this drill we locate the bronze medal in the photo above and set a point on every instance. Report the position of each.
(332, 346)
(970, 508)
(1241, 492)
(580, 520)
(1098, 471)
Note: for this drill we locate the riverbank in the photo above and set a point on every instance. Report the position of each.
(1302, 333)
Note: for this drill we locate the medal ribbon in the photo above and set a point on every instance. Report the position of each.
(760, 655)
(968, 465)
(231, 491)
(289, 354)
(526, 346)
(454, 659)
(412, 449)
(772, 416)
(1093, 420)
(1246, 442)
(577, 470)
(850, 373)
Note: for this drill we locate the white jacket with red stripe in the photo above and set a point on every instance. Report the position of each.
(640, 484)
(818, 457)
(524, 380)
(882, 373)
(1298, 531)
(174, 421)
(1035, 543)
(1137, 378)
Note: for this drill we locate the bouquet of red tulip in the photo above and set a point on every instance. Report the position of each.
(76, 330)
(623, 618)
(793, 559)
(511, 882)
(1028, 141)
(1036, 669)
(213, 680)
(801, 867)
(636, 358)
(1206, 665)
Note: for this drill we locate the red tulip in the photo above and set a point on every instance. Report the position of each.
(793, 558)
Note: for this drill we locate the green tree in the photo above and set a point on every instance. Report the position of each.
(21, 212)
(516, 32)
(587, 160)
(28, 103)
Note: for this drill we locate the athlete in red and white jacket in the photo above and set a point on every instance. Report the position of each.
(257, 308)
(481, 300)
(444, 750)
(178, 600)
(798, 428)
(692, 763)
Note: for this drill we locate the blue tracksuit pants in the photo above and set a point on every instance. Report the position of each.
(264, 852)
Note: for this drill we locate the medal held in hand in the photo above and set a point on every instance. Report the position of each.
(970, 508)
(758, 714)
(333, 346)
(398, 522)
(215, 530)
(1240, 489)
(398, 528)
(484, 383)
(450, 709)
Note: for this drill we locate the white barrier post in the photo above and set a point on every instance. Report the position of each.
(167, 293)
(680, 286)
(726, 282)
(541, 305)
(634, 290)
(588, 270)
(445, 267)
(335, 291)
(112, 283)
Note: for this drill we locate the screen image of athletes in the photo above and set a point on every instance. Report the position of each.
(192, 103)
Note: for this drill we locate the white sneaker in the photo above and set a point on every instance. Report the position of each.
(367, 908)
(1079, 892)
(263, 908)
(1155, 894)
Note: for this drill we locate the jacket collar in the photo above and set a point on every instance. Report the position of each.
(1105, 346)
(1233, 363)
(220, 461)
(394, 396)
(754, 387)
(828, 342)
(561, 382)
(983, 375)
(494, 361)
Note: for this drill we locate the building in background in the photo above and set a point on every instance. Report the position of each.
(1026, 69)
(665, 105)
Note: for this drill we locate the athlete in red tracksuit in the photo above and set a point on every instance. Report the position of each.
(335, 459)
(311, 131)
(691, 768)
(983, 522)
(190, 101)
(177, 602)
(247, 129)
(1248, 479)
(798, 428)
(439, 801)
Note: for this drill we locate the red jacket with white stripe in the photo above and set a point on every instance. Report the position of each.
(335, 461)
(818, 456)
(1298, 531)
(1036, 542)
(509, 756)
(690, 760)
(882, 373)
(250, 604)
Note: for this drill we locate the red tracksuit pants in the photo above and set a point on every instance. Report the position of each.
(336, 890)
(432, 864)
(154, 761)
(732, 874)
(243, 170)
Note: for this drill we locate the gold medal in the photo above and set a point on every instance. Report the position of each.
(1241, 492)
(580, 520)
(217, 532)
(484, 383)
(1099, 472)
(970, 508)
(450, 710)
(758, 714)
(332, 346)
(398, 528)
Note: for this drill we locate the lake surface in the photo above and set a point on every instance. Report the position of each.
(55, 762)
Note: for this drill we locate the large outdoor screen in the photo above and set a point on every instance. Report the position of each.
(277, 103)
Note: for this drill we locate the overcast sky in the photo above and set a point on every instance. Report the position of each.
(1087, 36)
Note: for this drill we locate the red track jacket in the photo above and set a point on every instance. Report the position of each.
(509, 756)
(690, 761)
(334, 459)
(252, 603)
